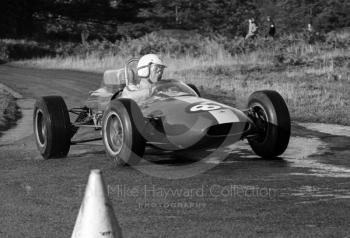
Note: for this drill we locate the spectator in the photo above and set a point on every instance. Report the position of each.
(310, 29)
(310, 34)
(253, 29)
(271, 27)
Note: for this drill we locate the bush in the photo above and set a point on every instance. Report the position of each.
(9, 111)
(159, 43)
(16, 50)
(292, 49)
(194, 46)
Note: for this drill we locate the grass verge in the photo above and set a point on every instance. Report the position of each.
(314, 78)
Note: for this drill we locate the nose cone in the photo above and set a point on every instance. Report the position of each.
(181, 128)
(185, 130)
(205, 128)
(186, 120)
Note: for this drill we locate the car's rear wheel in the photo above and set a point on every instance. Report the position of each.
(122, 126)
(271, 117)
(52, 127)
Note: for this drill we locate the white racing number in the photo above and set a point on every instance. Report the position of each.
(204, 107)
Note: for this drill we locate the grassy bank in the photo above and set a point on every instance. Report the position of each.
(8, 110)
(313, 78)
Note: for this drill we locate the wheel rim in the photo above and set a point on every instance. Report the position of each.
(114, 133)
(261, 121)
(40, 128)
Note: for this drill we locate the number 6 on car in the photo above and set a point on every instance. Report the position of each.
(204, 107)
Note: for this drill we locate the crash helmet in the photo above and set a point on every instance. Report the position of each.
(145, 62)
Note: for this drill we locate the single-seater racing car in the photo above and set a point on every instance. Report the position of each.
(174, 118)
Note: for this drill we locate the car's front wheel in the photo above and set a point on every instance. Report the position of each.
(52, 127)
(270, 115)
(122, 126)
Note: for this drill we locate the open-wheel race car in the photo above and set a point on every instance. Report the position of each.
(174, 118)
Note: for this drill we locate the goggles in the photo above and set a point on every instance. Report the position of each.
(158, 67)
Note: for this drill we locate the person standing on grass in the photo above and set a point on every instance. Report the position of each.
(271, 27)
(149, 70)
(310, 33)
(310, 29)
(252, 30)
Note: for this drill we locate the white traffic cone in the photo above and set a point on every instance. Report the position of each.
(96, 216)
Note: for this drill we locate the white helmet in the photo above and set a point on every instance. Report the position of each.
(143, 66)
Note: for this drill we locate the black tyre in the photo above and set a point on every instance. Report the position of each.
(194, 88)
(271, 116)
(122, 126)
(52, 127)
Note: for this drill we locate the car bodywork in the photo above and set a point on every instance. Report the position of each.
(176, 118)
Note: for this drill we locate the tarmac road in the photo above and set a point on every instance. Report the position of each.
(305, 193)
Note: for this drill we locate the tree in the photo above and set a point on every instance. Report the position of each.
(227, 17)
(15, 18)
(221, 16)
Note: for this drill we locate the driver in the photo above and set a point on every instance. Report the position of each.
(150, 70)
